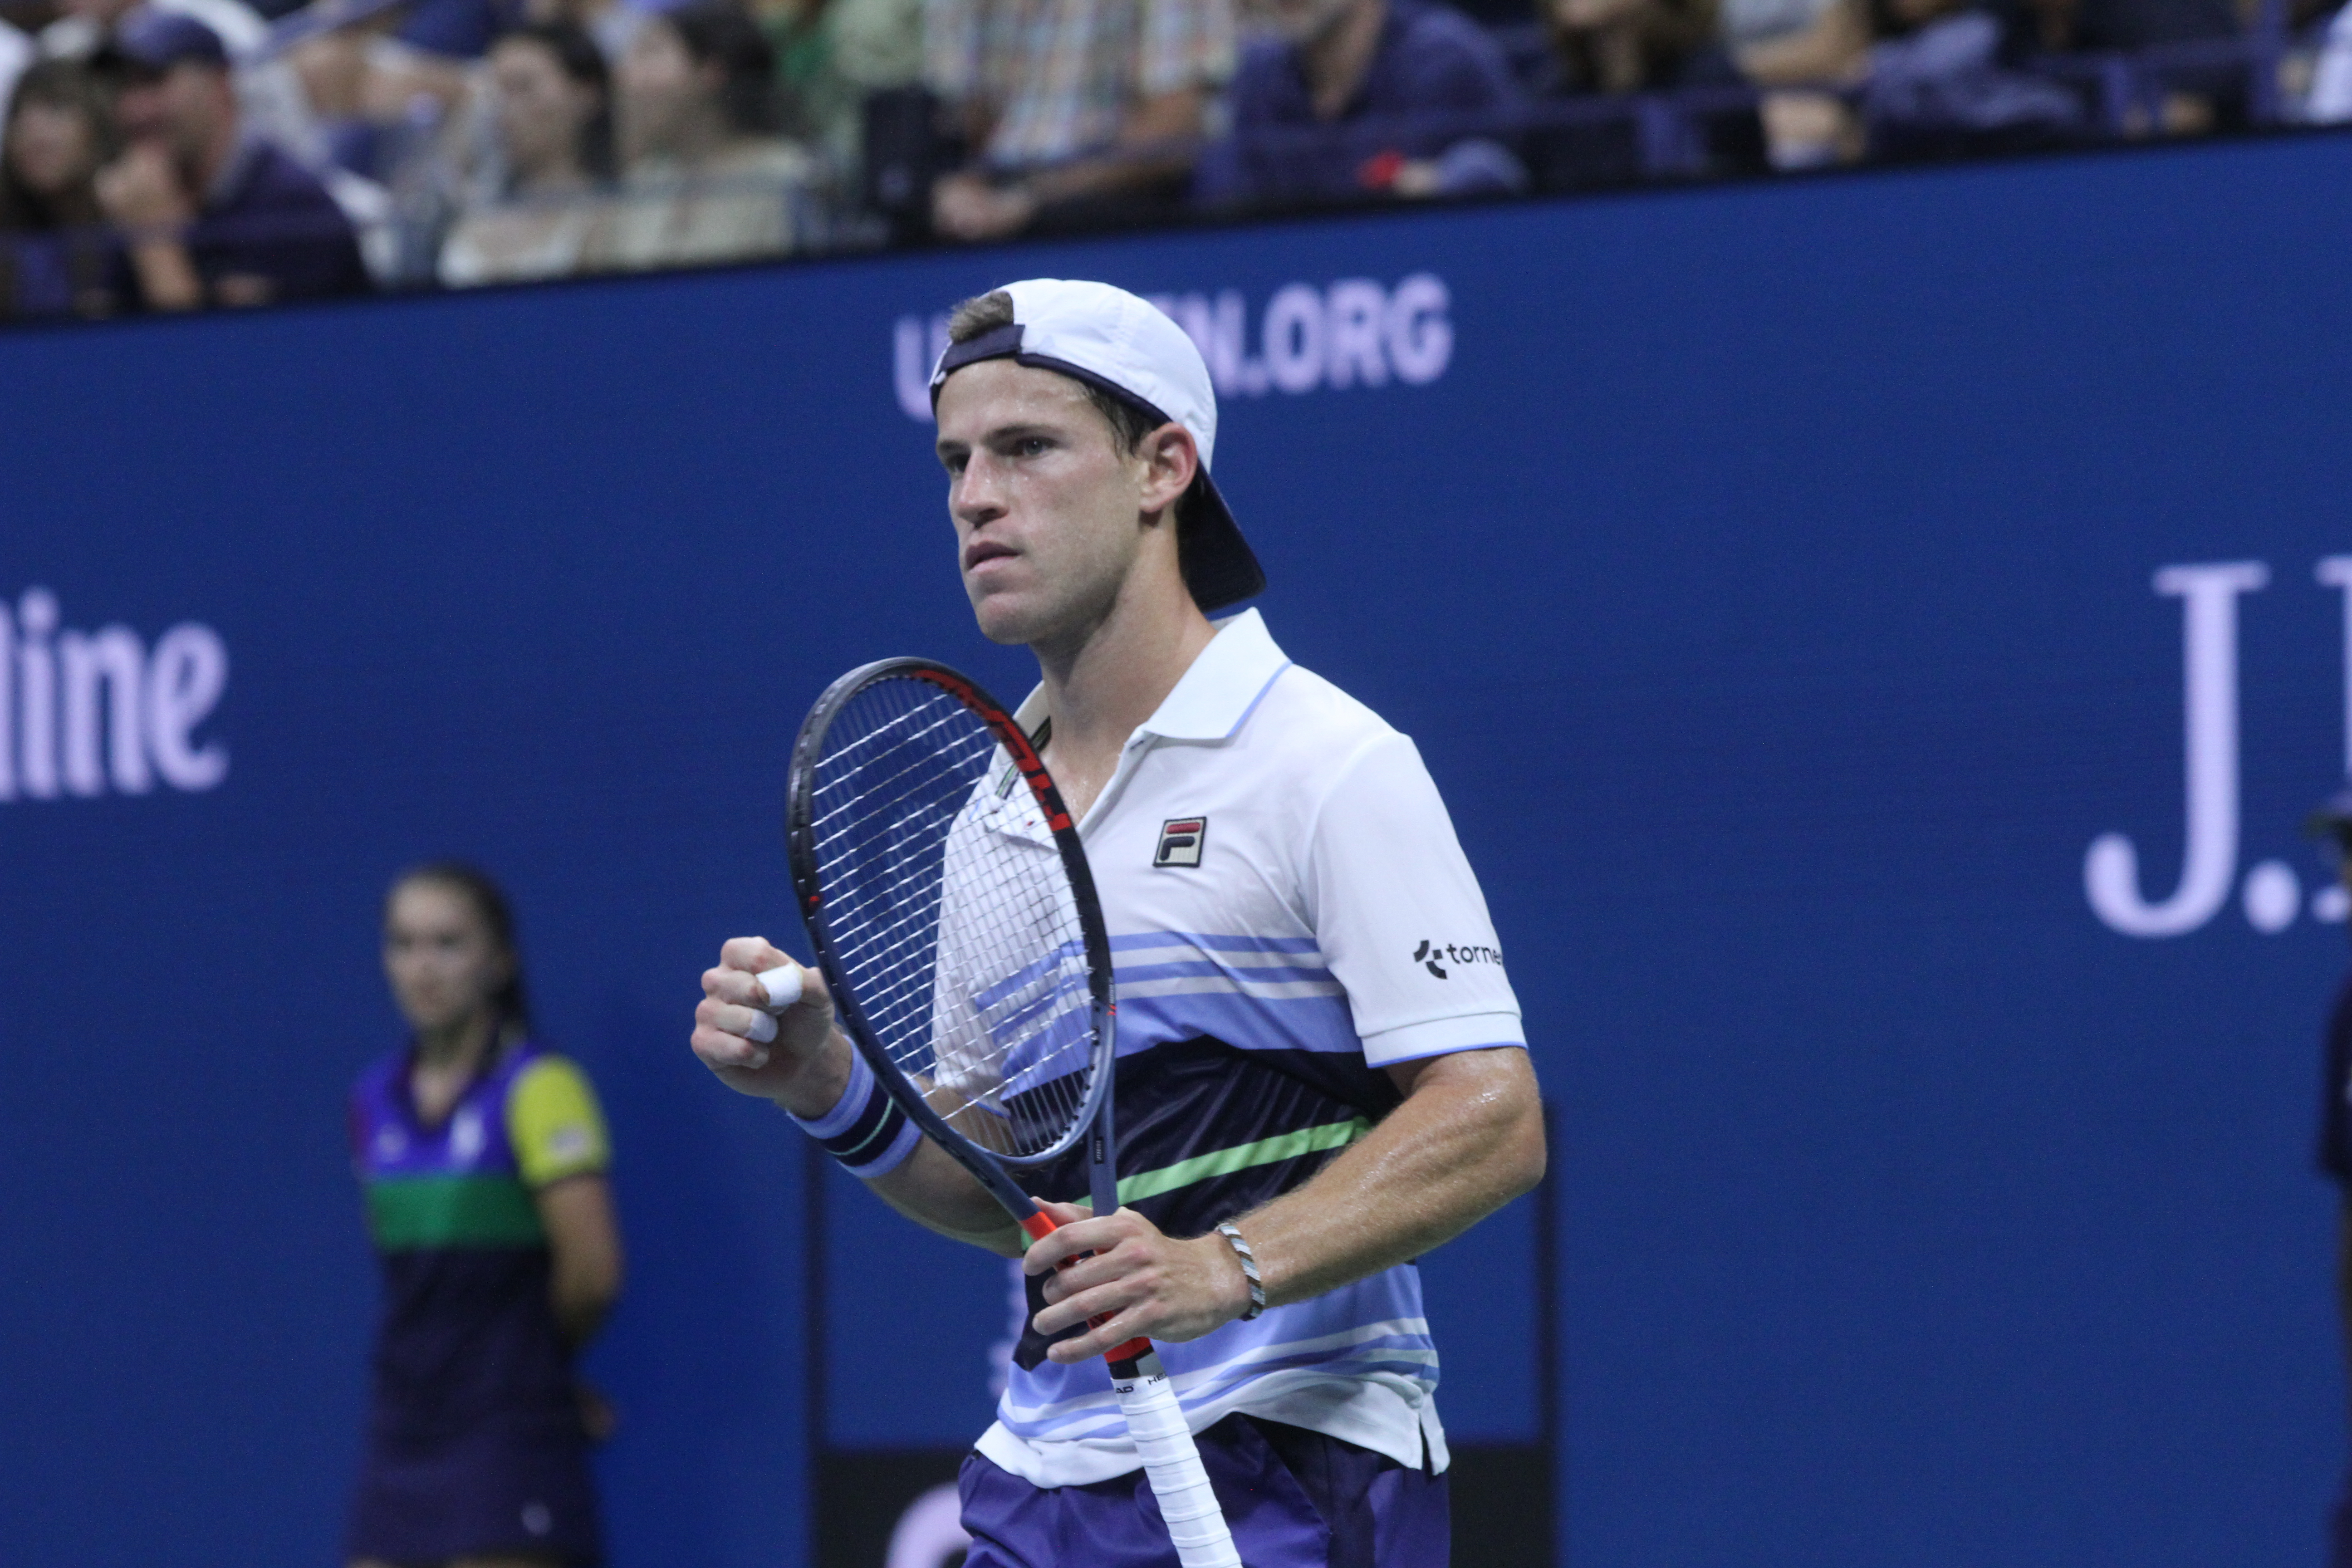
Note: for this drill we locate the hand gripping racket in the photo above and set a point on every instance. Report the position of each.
(947, 896)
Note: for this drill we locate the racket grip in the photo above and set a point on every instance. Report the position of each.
(783, 985)
(1173, 1464)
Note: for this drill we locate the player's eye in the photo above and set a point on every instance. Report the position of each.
(1032, 445)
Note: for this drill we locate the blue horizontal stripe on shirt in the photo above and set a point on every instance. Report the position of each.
(1030, 974)
(1200, 946)
(1060, 1403)
(1243, 1020)
(1214, 943)
(1132, 974)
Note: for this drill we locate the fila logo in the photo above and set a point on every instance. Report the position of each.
(1429, 953)
(1180, 841)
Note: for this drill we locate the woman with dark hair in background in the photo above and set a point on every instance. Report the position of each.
(483, 1157)
(552, 101)
(55, 253)
(707, 179)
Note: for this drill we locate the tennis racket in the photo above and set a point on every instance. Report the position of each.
(947, 896)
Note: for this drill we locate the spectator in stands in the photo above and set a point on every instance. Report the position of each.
(1080, 114)
(1347, 67)
(706, 178)
(208, 214)
(18, 19)
(1615, 47)
(2329, 102)
(1805, 54)
(55, 257)
(1940, 85)
(268, 94)
(831, 55)
(610, 23)
(554, 130)
(2197, 99)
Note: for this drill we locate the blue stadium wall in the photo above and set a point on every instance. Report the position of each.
(1772, 577)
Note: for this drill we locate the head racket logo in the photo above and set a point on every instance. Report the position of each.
(1456, 953)
(1180, 839)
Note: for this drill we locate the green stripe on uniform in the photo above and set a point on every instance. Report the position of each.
(1241, 1157)
(411, 1212)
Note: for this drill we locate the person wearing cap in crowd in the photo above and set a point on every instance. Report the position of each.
(2332, 823)
(269, 94)
(208, 215)
(1322, 1072)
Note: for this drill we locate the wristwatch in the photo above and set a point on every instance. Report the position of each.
(1249, 1269)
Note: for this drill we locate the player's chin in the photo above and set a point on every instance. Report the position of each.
(1005, 617)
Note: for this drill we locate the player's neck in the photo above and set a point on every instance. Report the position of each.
(1099, 688)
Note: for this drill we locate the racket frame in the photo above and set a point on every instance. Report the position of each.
(1093, 1122)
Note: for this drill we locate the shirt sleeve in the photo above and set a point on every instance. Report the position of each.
(554, 1124)
(1399, 916)
(1185, 43)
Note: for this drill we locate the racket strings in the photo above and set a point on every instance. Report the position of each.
(950, 915)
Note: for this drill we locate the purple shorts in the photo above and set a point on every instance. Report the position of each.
(1294, 1498)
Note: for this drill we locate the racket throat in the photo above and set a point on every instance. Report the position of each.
(1134, 1362)
(1102, 1148)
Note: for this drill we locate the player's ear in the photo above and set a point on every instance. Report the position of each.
(1171, 461)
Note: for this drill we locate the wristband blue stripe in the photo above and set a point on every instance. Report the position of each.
(865, 1131)
(894, 1154)
(855, 1097)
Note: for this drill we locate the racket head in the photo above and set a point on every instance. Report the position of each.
(948, 899)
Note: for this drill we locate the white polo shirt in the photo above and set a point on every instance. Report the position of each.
(1289, 912)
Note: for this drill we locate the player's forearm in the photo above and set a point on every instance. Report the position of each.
(1467, 1140)
(937, 1193)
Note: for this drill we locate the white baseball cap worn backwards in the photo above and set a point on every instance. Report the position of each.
(1111, 339)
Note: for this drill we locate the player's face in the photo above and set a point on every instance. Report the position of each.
(1048, 511)
(444, 964)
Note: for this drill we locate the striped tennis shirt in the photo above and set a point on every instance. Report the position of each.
(1289, 913)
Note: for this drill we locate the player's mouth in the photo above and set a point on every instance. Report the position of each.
(980, 552)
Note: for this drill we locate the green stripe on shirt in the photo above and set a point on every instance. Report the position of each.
(407, 1213)
(1241, 1157)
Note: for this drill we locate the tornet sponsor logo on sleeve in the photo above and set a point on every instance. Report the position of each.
(88, 713)
(1356, 331)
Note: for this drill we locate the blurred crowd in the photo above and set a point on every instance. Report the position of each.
(179, 153)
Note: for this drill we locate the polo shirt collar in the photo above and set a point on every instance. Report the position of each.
(1215, 696)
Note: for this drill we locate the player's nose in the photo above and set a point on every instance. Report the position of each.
(976, 495)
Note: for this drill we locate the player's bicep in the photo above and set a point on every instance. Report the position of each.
(1400, 918)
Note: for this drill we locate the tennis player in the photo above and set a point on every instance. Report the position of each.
(1321, 1072)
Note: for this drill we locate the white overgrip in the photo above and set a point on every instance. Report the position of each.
(783, 985)
(1195, 1524)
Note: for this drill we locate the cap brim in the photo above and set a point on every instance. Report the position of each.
(1219, 568)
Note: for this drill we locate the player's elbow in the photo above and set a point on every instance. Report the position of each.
(1514, 1116)
(1521, 1151)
